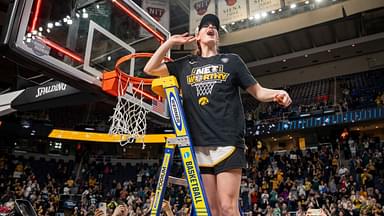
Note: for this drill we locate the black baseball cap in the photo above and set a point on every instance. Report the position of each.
(210, 19)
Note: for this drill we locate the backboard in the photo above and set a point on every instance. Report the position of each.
(82, 39)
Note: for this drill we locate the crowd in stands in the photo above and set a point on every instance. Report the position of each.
(337, 182)
(345, 179)
(346, 182)
(342, 93)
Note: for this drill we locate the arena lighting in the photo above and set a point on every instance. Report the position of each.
(224, 28)
(293, 6)
(36, 14)
(306, 2)
(305, 115)
(63, 50)
(67, 52)
(25, 124)
(46, 41)
(264, 14)
(328, 111)
(141, 22)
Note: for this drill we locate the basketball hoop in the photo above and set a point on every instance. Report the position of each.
(129, 117)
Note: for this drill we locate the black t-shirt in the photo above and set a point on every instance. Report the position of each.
(211, 97)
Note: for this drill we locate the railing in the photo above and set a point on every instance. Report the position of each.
(114, 160)
(317, 121)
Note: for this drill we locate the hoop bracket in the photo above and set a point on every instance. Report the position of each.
(159, 84)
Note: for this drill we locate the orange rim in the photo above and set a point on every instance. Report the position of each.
(132, 79)
(109, 85)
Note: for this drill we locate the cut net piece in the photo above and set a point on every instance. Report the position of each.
(129, 117)
(204, 88)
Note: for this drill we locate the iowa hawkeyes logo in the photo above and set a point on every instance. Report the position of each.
(203, 101)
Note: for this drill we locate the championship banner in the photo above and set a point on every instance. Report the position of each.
(159, 10)
(289, 2)
(199, 8)
(260, 6)
(232, 10)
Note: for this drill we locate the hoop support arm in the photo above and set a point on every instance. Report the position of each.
(159, 84)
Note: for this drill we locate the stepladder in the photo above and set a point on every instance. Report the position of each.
(168, 88)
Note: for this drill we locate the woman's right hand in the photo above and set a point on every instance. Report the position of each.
(180, 39)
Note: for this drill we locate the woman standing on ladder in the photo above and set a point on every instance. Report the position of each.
(210, 83)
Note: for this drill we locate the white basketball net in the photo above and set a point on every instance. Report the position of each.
(204, 88)
(129, 117)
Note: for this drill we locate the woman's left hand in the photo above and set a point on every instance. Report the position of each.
(282, 98)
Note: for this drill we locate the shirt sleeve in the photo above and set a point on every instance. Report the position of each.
(172, 67)
(244, 76)
(175, 66)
